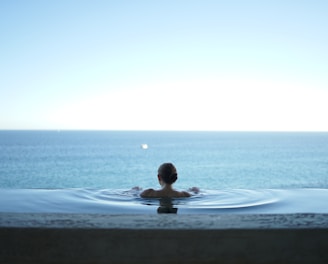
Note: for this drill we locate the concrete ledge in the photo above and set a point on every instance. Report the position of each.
(75, 238)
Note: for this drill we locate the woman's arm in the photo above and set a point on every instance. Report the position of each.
(195, 190)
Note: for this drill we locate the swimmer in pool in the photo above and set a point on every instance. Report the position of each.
(167, 175)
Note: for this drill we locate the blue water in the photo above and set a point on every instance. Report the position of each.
(94, 171)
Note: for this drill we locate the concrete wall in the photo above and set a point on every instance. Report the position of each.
(51, 238)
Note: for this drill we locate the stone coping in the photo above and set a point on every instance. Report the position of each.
(164, 221)
(164, 238)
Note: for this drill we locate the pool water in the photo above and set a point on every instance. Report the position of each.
(108, 201)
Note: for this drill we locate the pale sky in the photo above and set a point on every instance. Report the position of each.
(164, 65)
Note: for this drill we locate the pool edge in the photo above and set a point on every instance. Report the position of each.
(100, 238)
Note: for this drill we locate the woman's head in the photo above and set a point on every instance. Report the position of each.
(167, 173)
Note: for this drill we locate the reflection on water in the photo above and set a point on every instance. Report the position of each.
(166, 206)
(163, 205)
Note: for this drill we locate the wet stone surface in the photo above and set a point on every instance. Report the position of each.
(168, 221)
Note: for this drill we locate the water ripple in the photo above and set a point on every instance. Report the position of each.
(232, 199)
(207, 199)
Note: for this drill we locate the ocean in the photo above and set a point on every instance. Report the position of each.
(88, 171)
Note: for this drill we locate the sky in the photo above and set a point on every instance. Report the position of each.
(255, 65)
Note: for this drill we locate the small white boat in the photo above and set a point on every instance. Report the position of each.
(144, 146)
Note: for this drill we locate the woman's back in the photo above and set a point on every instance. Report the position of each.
(151, 193)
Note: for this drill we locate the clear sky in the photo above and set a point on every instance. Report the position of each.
(164, 65)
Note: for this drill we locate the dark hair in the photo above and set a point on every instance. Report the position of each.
(168, 173)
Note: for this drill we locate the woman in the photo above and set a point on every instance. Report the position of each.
(167, 175)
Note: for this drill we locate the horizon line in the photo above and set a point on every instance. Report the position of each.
(168, 130)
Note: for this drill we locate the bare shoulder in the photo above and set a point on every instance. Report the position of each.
(148, 193)
(185, 194)
(181, 194)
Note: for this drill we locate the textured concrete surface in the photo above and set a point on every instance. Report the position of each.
(164, 221)
(75, 238)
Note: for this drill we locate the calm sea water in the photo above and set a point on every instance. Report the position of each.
(95, 170)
